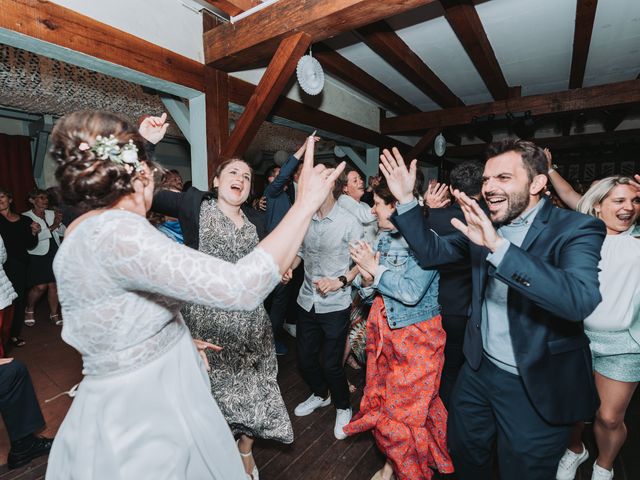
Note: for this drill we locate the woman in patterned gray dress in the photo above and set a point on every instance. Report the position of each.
(243, 374)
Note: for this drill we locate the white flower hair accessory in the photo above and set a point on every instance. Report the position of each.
(108, 149)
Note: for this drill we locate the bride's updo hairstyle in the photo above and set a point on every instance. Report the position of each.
(87, 181)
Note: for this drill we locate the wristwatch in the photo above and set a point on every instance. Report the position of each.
(343, 279)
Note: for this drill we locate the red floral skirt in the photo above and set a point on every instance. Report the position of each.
(401, 403)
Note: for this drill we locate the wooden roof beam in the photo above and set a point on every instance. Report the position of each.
(269, 88)
(240, 92)
(61, 26)
(233, 7)
(589, 98)
(465, 22)
(248, 42)
(351, 74)
(381, 38)
(558, 143)
(585, 16)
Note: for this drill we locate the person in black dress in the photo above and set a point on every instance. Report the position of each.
(19, 234)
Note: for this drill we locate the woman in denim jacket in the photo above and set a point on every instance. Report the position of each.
(405, 354)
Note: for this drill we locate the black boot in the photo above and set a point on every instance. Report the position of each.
(26, 449)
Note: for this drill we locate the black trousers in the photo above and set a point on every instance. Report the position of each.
(492, 404)
(454, 326)
(18, 403)
(279, 302)
(17, 273)
(323, 334)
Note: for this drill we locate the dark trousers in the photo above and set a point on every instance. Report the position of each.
(492, 404)
(18, 403)
(454, 326)
(279, 300)
(17, 275)
(326, 334)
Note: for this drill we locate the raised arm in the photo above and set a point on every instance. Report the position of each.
(141, 258)
(563, 189)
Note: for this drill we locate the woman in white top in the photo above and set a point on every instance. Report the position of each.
(40, 277)
(144, 408)
(7, 296)
(614, 326)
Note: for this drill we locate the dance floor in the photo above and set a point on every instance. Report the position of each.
(315, 453)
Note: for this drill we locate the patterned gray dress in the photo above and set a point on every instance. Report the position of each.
(243, 374)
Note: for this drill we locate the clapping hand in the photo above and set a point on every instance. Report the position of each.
(364, 257)
(400, 180)
(153, 129)
(327, 285)
(35, 228)
(202, 347)
(437, 195)
(479, 228)
(636, 184)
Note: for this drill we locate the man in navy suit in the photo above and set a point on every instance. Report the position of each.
(528, 375)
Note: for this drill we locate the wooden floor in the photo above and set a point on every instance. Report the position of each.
(315, 453)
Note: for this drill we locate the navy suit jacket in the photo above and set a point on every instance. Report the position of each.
(553, 285)
(279, 200)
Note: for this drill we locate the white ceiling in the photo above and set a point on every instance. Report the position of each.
(532, 41)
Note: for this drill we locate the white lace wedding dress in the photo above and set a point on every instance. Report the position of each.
(144, 409)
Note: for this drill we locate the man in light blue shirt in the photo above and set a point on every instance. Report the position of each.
(324, 304)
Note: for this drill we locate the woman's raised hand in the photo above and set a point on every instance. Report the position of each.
(315, 183)
(364, 257)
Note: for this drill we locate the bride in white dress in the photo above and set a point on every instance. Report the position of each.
(144, 409)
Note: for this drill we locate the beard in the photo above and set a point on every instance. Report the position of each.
(517, 203)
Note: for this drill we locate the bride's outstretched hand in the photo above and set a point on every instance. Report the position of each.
(315, 183)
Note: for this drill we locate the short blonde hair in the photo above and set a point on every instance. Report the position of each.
(598, 192)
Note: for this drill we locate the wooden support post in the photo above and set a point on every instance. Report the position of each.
(267, 92)
(216, 85)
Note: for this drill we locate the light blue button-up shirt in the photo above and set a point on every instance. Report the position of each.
(325, 251)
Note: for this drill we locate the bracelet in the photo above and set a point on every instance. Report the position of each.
(553, 168)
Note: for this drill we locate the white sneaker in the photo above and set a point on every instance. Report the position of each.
(343, 417)
(569, 464)
(600, 473)
(290, 328)
(310, 404)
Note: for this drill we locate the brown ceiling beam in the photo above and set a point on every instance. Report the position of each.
(383, 40)
(232, 7)
(558, 143)
(269, 88)
(422, 145)
(246, 43)
(588, 98)
(464, 19)
(352, 75)
(60, 26)
(240, 92)
(585, 16)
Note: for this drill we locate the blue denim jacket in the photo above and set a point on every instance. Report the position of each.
(410, 293)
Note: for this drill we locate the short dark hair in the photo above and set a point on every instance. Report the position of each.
(467, 177)
(533, 157)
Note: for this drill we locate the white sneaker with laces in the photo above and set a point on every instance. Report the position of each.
(343, 417)
(290, 328)
(600, 473)
(310, 404)
(570, 462)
